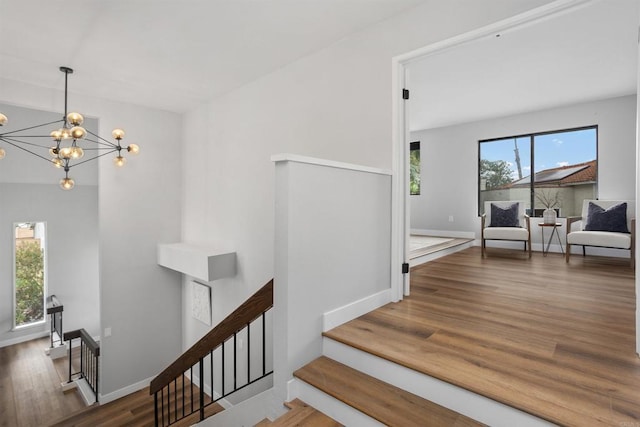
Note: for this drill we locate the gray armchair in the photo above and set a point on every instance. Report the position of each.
(505, 220)
(607, 224)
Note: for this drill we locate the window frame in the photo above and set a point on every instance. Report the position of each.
(532, 136)
(45, 277)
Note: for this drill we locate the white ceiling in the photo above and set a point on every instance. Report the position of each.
(587, 54)
(171, 54)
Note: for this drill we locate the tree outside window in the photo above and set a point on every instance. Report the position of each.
(414, 168)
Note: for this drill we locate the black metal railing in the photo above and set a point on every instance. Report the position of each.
(89, 359)
(54, 310)
(213, 369)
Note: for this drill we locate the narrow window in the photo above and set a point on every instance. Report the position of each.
(29, 273)
(414, 168)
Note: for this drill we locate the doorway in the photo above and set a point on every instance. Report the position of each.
(476, 102)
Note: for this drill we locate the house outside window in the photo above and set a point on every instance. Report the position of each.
(560, 165)
(414, 168)
(29, 273)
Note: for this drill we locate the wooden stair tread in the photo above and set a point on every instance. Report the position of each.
(301, 414)
(384, 402)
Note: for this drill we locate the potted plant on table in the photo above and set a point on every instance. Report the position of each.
(550, 199)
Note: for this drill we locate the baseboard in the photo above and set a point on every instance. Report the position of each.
(114, 395)
(439, 254)
(444, 233)
(23, 338)
(340, 315)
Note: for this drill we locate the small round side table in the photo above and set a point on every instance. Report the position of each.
(554, 230)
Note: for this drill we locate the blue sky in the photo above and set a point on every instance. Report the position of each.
(551, 150)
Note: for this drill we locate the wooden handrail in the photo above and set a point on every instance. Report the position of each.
(88, 340)
(248, 311)
(53, 305)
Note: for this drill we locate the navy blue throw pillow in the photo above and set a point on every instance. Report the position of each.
(612, 219)
(507, 217)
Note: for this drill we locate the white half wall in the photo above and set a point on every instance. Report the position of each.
(332, 247)
(452, 152)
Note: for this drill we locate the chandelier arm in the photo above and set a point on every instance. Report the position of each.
(105, 141)
(93, 158)
(28, 151)
(18, 141)
(107, 144)
(31, 127)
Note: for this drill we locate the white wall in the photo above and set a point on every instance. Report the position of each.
(139, 206)
(334, 104)
(72, 252)
(449, 159)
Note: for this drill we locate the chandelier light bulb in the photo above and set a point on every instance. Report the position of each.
(77, 152)
(67, 183)
(133, 149)
(3, 119)
(57, 162)
(56, 135)
(75, 119)
(2, 153)
(119, 161)
(78, 132)
(65, 133)
(118, 134)
(53, 151)
(65, 152)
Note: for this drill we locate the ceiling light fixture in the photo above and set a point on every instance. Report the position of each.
(66, 151)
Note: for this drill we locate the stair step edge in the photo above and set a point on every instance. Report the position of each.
(377, 399)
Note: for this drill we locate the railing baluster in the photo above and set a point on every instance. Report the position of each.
(162, 402)
(191, 386)
(201, 389)
(235, 363)
(223, 370)
(70, 357)
(183, 391)
(175, 399)
(264, 344)
(155, 409)
(211, 368)
(97, 376)
(248, 352)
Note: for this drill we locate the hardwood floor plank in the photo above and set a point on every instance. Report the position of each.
(553, 339)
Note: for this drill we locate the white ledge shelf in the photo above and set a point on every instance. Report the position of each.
(201, 262)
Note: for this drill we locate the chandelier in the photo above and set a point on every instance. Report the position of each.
(69, 141)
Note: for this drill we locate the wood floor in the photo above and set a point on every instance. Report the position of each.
(30, 392)
(30, 395)
(551, 339)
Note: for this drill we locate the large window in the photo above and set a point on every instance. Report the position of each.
(559, 167)
(414, 168)
(29, 273)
